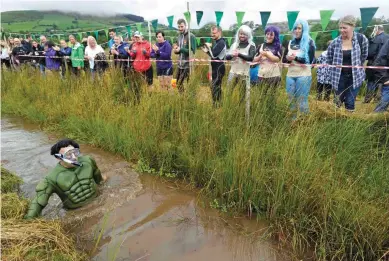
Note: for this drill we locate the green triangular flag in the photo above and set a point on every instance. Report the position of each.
(367, 15)
(97, 35)
(313, 35)
(170, 21)
(229, 40)
(282, 36)
(106, 33)
(187, 17)
(128, 27)
(198, 39)
(219, 15)
(292, 17)
(139, 27)
(334, 34)
(80, 36)
(264, 18)
(208, 39)
(239, 18)
(154, 24)
(199, 15)
(325, 17)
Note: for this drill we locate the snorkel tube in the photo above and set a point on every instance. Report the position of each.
(60, 157)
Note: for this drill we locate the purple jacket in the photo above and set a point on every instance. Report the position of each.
(164, 53)
(52, 63)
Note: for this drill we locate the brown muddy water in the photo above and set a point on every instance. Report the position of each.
(136, 216)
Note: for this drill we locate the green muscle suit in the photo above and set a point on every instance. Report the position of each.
(75, 186)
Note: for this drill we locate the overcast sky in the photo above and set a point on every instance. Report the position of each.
(160, 9)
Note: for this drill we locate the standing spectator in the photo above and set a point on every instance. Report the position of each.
(379, 38)
(140, 52)
(28, 44)
(120, 51)
(65, 52)
(19, 54)
(10, 43)
(53, 63)
(76, 56)
(218, 55)
(112, 35)
(5, 59)
(350, 49)
(91, 51)
(383, 77)
(241, 53)
(269, 55)
(163, 51)
(37, 53)
(300, 51)
(42, 60)
(182, 49)
(323, 80)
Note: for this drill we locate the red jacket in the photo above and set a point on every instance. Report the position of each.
(141, 61)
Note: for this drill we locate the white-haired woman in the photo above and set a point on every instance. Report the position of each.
(91, 51)
(241, 53)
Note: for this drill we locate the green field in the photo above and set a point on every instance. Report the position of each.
(36, 21)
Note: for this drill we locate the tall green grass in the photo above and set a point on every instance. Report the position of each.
(322, 181)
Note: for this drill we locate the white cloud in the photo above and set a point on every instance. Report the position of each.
(160, 9)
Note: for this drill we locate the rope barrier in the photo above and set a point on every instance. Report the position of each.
(207, 61)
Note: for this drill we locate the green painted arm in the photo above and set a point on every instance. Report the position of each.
(43, 192)
(96, 173)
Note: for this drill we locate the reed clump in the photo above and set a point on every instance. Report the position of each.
(30, 240)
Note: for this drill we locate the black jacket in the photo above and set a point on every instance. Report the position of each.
(375, 45)
(382, 59)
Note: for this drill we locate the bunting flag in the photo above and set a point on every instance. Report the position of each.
(367, 15)
(239, 18)
(229, 40)
(282, 36)
(292, 17)
(106, 33)
(80, 36)
(198, 41)
(187, 17)
(199, 15)
(97, 35)
(334, 34)
(313, 35)
(154, 24)
(219, 16)
(128, 28)
(139, 27)
(170, 21)
(264, 18)
(325, 17)
(208, 39)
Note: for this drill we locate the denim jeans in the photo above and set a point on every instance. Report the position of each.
(372, 91)
(384, 103)
(42, 69)
(346, 93)
(298, 89)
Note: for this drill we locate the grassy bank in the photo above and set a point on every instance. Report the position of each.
(322, 182)
(30, 240)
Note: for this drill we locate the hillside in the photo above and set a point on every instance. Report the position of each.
(56, 21)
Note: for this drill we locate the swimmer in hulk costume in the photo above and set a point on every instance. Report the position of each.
(74, 179)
